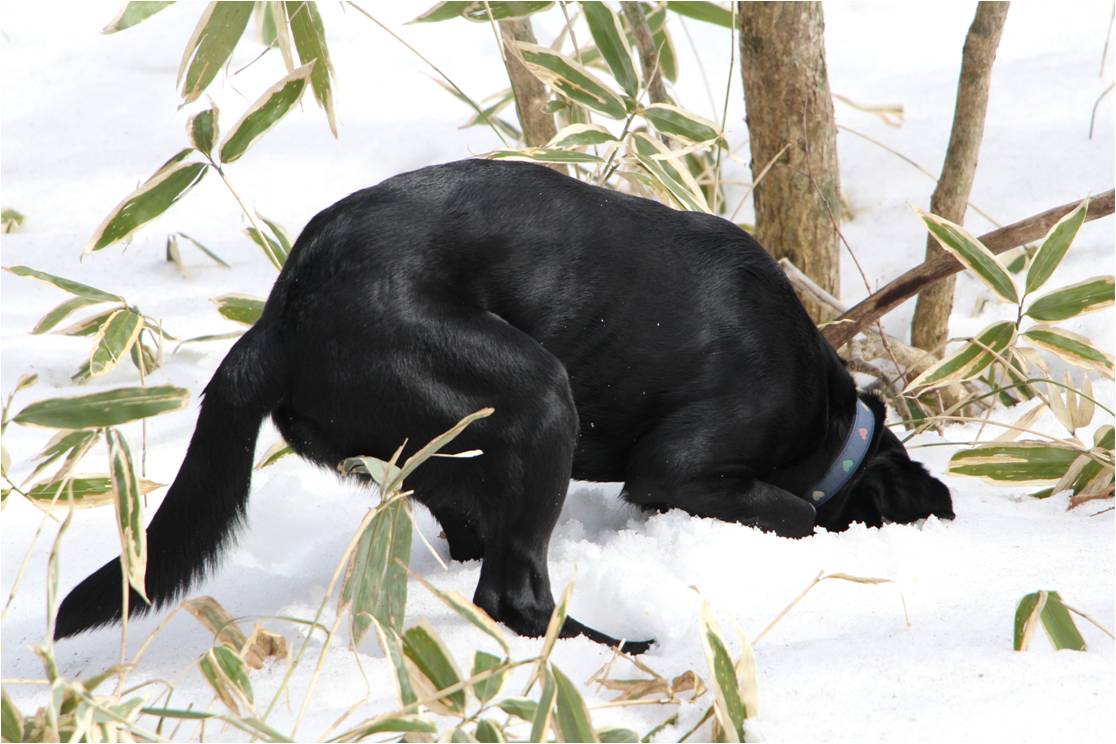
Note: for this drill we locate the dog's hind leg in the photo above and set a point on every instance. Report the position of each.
(462, 532)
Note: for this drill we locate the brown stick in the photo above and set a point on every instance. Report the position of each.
(648, 53)
(530, 93)
(930, 325)
(1024, 231)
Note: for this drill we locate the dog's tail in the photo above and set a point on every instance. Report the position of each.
(207, 500)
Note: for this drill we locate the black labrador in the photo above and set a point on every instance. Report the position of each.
(617, 339)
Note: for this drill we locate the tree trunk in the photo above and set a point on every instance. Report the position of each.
(530, 93)
(786, 95)
(930, 327)
(648, 54)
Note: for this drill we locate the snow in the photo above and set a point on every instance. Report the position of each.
(85, 117)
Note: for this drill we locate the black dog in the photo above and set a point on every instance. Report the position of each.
(617, 339)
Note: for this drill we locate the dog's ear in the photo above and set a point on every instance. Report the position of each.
(900, 489)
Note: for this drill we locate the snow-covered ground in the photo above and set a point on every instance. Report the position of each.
(85, 117)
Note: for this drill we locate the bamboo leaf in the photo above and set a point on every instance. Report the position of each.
(114, 341)
(437, 443)
(98, 410)
(571, 716)
(274, 454)
(569, 79)
(553, 629)
(382, 472)
(129, 512)
(519, 707)
(617, 735)
(217, 620)
(1055, 245)
(580, 135)
(488, 688)
(224, 688)
(476, 617)
(442, 12)
(265, 113)
(1071, 347)
(1076, 299)
(66, 285)
(376, 580)
(1060, 628)
(234, 669)
(74, 444)
(544, 155)
(971, 359)
(310, 43)
(90, 326)
(392, 645)
(478, 13)
(81, 491)
(435, 667)
(203, 130)
(972, 254)
(146, 203)
(728, 703)
(1023, 462)
(1027, 619)
(678, 183)
(132, 14)
(489, 732)
(677, 122)
(216, 259)
(240, 308)
(394, 723)
(703, 11)
(668, 63)
(11, 720)
(59, 313)
(544, 711)
(609, 37)
(269, 245)
(211, 45)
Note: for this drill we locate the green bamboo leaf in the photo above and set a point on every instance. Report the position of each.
(478, 11)
(90, 326)
(281, 235)
(434, 666)
(1054, 246)
(1021, 463)
(442, 12)
(394, 723)
(98, 410)
(375, 583)
(11, 220)
(11, 720)
(143, 358)
(172, 161)
(265, 113)
(274, 454)
(114, 341)
(216, 259)
(1071, 347)
(146, 203)
(604, 25)
(392, 645)
(971, 360)
(728, 702)
(203, 130)
(131, 14)
(233, 667)
(269, 245)
(617, 735)
(63, 443)
(59, 313)
(489, 732)
(211, 45)
(703, 11)
(972, 254)
(571, 716)
(544, 711)
(224, 688)
(66, 285)
(676, 122)
(382, 472)
(240, 308)
(544, 155)
(580, 135)
(129, 512)
(436, 444)
(519, 707)
(678, 183)
(310, 43)
(476, 617)
(1060, 628)
(488, 688)
(1027, 619)
(553, 629)
(660, 34)
(569, 79)
(1076, 299)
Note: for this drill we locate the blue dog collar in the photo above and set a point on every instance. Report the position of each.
(850, 457)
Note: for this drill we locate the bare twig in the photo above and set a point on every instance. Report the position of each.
(905, 286)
